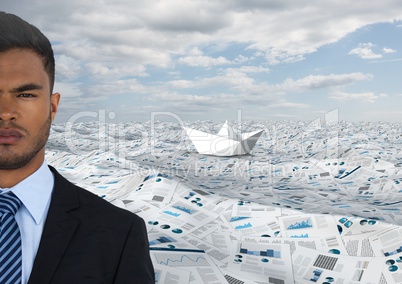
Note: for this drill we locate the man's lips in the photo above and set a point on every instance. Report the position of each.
(9, 136)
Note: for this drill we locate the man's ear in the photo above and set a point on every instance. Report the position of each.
(54, 104)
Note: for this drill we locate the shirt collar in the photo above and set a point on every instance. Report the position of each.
(35, 192)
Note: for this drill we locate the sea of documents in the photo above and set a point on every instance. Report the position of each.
(312, 203)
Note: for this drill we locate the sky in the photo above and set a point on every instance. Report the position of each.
(131, 60)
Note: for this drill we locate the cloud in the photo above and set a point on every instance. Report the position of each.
(197, 59)
(186, 16)
(312, 82)
(365, 51)
(388, 50)
(68, 90)
(288, 105)
(175, 97)
(67, 68)
(113, 88)
(368, 97)
(99, 69)
(179, 50)
(203, 61)
(236, 78)
(253, 69)
(186, 103)
(152, 31)
(246, 91)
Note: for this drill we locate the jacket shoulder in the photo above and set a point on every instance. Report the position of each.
(73, 196)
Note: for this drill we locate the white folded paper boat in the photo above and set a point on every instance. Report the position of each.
(225, 143)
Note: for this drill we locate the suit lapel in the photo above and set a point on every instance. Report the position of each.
(57, 232)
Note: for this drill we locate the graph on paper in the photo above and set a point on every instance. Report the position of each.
(299, 224)
(181, 260)
(265, 252)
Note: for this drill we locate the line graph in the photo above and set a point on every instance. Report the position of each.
(245, 226)
(181, 260)
(184, 209)
(301, 224)
(171, 213)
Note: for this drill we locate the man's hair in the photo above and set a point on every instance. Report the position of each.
(17, 33)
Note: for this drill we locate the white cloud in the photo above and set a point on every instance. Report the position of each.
(253, 69)
(100, 70)
(68, 90)
(240, 59)
(247, 92)
(183, 84)
(288, 105)
(368, 97)
(365, 51)
(323, 81)
(113, 88)
(158, 29)
(109, 47)
(180, 98)
(388, 50)
(67, 68)
(203, 61)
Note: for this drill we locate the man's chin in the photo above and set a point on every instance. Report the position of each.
(14, 163)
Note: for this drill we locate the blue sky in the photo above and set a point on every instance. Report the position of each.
(269, 60)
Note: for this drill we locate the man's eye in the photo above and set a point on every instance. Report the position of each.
(26, 95)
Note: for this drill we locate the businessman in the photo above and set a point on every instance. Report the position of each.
(51, 230)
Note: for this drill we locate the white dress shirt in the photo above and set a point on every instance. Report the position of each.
(34, 192)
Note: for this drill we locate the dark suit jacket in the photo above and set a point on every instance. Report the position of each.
(87, 240)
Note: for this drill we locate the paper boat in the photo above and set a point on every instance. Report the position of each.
(225, 143)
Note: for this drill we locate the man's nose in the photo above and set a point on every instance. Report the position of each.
(7, 108)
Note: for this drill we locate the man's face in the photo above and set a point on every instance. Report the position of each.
(26, 108)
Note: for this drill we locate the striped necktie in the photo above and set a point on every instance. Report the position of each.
(10, 240)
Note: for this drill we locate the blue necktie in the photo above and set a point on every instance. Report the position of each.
(10, 240)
